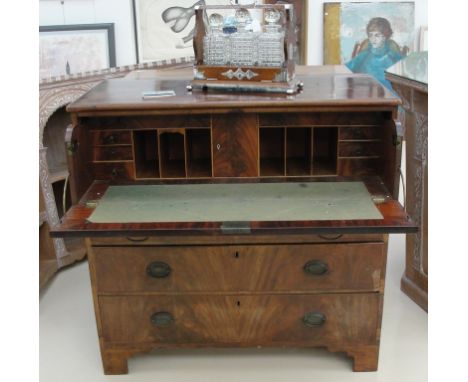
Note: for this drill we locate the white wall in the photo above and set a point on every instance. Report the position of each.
(315, 26)
(58, 12)
(119, 12)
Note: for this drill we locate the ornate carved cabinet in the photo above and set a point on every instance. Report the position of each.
(236, 220)
(409, 79)
(54, 95)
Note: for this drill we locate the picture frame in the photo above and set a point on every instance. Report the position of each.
(368, 37)
(345, 26)
(423, 39)
(163, 28)
(78, 48)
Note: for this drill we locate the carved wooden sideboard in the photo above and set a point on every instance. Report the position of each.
(54, 94)
(409, 80)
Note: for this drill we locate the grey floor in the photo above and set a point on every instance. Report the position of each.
(69, 348)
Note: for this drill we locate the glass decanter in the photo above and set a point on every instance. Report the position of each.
(243, 42)
(271, 41)
(215, 42)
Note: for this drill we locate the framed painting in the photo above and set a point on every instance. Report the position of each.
(72, 49)
(368, 37)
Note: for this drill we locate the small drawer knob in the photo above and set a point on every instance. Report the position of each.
(162, 319)
(158, 269)
(313, 319)
(110, 139)
(315, 268)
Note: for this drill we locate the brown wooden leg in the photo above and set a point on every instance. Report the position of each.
(366, 357)
(114, 362)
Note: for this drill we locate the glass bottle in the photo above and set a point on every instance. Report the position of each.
(271, 41)
(214, 43)
(242, 47)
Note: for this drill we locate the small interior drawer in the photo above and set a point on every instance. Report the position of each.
(359, 133)
(359, 149)
(248, 319)
(110, 137)
(113, 171)
(309, 268)
(112, 153)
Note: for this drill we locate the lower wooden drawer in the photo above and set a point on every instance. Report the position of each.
(296, 267)
(305, 320)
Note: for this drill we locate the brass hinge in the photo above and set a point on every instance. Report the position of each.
(235, 228)
(397, 140)
(92, 203)
(72, 146)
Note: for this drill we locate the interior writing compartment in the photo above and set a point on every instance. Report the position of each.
(272, 151)
(298, 151)
(198, 145)
(172, 153)
(325, 143)
(146, 154)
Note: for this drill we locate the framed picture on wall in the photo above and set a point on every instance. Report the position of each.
(368, 37)
(71, 49)
(164, 29)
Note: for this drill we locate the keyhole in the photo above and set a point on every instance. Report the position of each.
(218, 147)
(237, 255)
(238, 303)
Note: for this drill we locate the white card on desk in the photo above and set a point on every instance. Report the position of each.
(157, 94)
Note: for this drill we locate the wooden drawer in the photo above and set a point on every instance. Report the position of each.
(247, 319)
(235, 239)
(358, 166)
(359, 132)
(359, 149)
(316, 267)
(112, 137)
(113, 153)
(113, 171)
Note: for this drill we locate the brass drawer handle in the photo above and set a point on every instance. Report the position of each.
(325, 237)
(137, 239)
(158, 269)
(162, 319)
(316, 267)
(313, 319)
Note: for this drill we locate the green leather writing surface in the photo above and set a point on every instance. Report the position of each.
(235, 202)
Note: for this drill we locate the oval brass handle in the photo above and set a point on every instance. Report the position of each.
(137, 239)
(162, 319)
(313, 319)
(316, 267)
(325, 237)
(158, 269)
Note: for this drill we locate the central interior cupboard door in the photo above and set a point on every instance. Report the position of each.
(235, 145)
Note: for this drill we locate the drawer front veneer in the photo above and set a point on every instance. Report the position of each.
(248, 319)
(359, 133)
(308, 267)
(113, 153)
(112, 137)
(359, 149)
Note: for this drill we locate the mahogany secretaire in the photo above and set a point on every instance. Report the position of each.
(236, 220)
